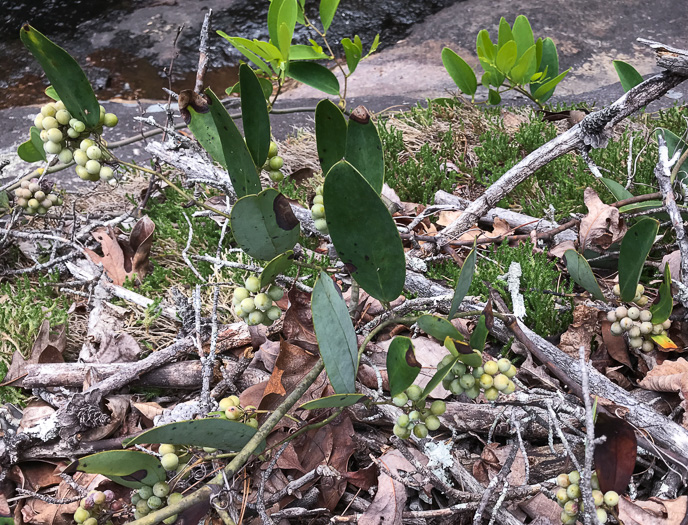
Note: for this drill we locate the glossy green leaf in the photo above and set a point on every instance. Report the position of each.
(662, 309)
(479, 335)
(336, 335)
(265, 85)
(264, 225)
(303, 52)
(50, 91)
(464, 352)
(580, 272)
(330, 134)
(314, 75)
(402, 365)
(628, 75)
(523, 35)
(463, 283)
(460, 72)
(538, 52)
(617, 190)
(549, 63)
(335, 401)
(286, 25)
(275, 267)
(373, 46)
(485, 47)
(364, 152)
(353, 51)
(327, 10)
(254, 115)
(505, 34)
(364, 233)
(65, 75)
(210, 432)
(674, 142)
(438, 327)
(506, 57)
(436, 379)
(129, 468)
(635, 247)
(274, 20)
(32, 150)
(664, 342)
(494, 97)
(641, 206)
(249, 49)
(525, 67)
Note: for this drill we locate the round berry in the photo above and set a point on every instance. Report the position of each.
(459, 369)
(438, 407)
(55, 135)
(414, 415)
(414, 392)
(478, 372)
(231, 401)
(635, 342)
(573, 491)
(501, 382)
(318, 211)
(85, 144)
(272, 150)
(491, 367)
(52, 148)
(93, 167)
(38, 121)
(81, 515)
(400, 399)
(233, 413)
(644, 299)
(621, 312)
(276, 175)
(82, 173)
(432, 422)
(255, 318)
(633, 313)
(275, 293)
(626, 323)
(473, 392)
(80, 157)
(48, 110)
(252, 284)
(276, 163)
(170, 520)
(91, 521)
(403, 420)
(49, 123)
(106, 173)
(65, 156)
(611, 316)
(666, 324)
(318, 199)
(568, 520)
(110, 120)
(248, 305)
(166, 448)
(601, 516)
(491, 394)
(174, 498)
(562, 495)
(467, 381)
(503, 364)
(639, 290)
(571, 508)
(143, 508)
(634, 331)
(486, 381)
(145, 492)
(240, 294)
(262, 301)
(455, 387)
(274, 313)
(98, 497)
(63, 117)
(401, 432)
(420, 431)
(611, 498)
(169, 462)
(78, 126)
(645, 315)
(574, 477)
(33, 203)
(94, 152)
(154, 502)
(597, 497)
(510, 388)
(563, 480)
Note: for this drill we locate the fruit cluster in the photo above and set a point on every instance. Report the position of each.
(494, 377)
(35, 197)
(150, 498)
(569, 497)
(636, 323)
(274, 164)
(68, 138)
(231, 409)
(419, 419)
(318, 211)
(255, 307)
(97, 507)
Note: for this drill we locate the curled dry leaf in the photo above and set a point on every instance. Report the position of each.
(581, 331)
(653, 512)
(47, 348)
(602, 226)
(670, 376)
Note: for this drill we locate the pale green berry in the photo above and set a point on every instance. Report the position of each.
(274, 313)
(106, 173)
(44, 136)
(85, 144)
(438, 407)
(401, 432)
(174, 498)
(601, 516)
(486, 381)
(143, 508)
(414, 392)
(247, 305)
(72, 133)
(161, 489)
(22, 202)
(567, 520)
(110, 120)
(574, 477)
(639, 290)
(25, 184)
(571, 508)
(319, 190)
(42, 210)
(400, 399)
(81, 515)
(657, 329)
(38, 121)
(478, 372)
(626, 323)
(276, 175)
(94, 152)
(621, 312)
(233, 413)
(91, 521)
(252, 284)
(93, 167)
(491, 394)
(501, 382)
(511, 372)
(240, 294)
(611, 498)
(420, 431)
(46, 203)
(403, 420)
(510, 388)
(503, 364)
(318, 211)
(39, 195)
(79, 126)
(63, 117)
(455, 387)
(644, 299)
(573, 491)
(594, 482)
(276, 163)
(137, 514)
(255, 318)
(82, 173)
(321, 226)
(55, 135)
(562, 495)
(563, 480)
(145, 492)
(166, 448)
(275, 293)
(272, 150)
(154, 502)
(432, 422)
(414, 415)
(135, 498)
(48, 110)
(231, 401)
(171, 519)
(318, 199)
(491, 367)
(611, 316)
(52, 148)
(467, 381)
(597, 497)
(169, 462)
(65, 156)
(50, 123)
(645, 327)
(633, 313)
(239, 312)
(262, 301)
(645, 316)
(634, 331)
(33, 203)
(459, 369)
(472, 392)
(666, 324)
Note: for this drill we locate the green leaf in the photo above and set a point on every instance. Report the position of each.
(485, 47)
(264, 225)
(438, 327)
(617, 190)
(460, 72)
(4, 200)
(674, 143)
(336, 335)
(580, 272)
(641, 206)
(278, 265)
(286, 23)
(274, 20)
(479, 335)
(364, 233)
(549, 63)
(664, 342)
(493, 97)
(505, 34)
(373, 47)
(635, 247)
(628, 75)
(265, 85)
(538, 52)
(464, 352)
(32, 150)
(402, 365)
(249, 49)
(330, 134)
(364, 152)
(219, 136)
(254, 115)
(506, 57)
(50, 91)
(463, 283)
(523, 35)
(303, 52)
(129, 468)
(335, 401)
(327, 10)
(436, 379)
(662, 310)
(210, 432)
(353, 52)
(314, 75)
(525, 68)
(65, 75)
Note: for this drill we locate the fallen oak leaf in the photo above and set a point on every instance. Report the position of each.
(653, 512)
(670, 376)
(602, 226)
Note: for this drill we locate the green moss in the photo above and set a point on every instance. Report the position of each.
(539, 274)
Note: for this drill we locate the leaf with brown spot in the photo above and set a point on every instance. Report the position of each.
(615, 458)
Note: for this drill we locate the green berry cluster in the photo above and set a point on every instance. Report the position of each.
(68, 138)
(318, 211)
(274, 164)
(231, 409)
(97, 507)
(494, 377)
(569, 497)
(35, 197)
(150, 498)
(255, 306)
(635, 322)
(418, 418)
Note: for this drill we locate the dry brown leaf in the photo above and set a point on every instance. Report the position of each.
(616, 346)
(602, 226)
(670, 376)
(581, 331)
(673, 259)
(490, 463)
(149, 410)
(47, 348)
(560, 249)
(542, 507)
(446, 217)
(653, 512)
